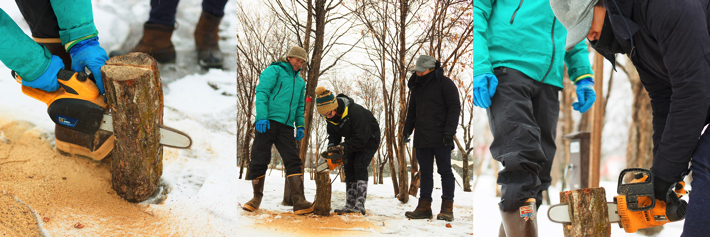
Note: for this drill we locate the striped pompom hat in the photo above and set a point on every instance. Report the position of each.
(325, 101)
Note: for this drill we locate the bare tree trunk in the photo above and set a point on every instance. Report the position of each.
(639, 151)
(135, 96)
(414, 186)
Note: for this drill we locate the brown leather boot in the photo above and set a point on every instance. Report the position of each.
(447, 210)
(206, 41)
(287, 195)
(300, 205)
(423, 210)
(155, 41)
(521, 222)
(258, 185)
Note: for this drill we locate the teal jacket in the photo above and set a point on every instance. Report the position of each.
(280, 95)
(30, 59)
(526, 36)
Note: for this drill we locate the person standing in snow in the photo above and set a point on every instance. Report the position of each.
(358, 126)
(433, 115)
(668, 42)
(280, 100)
(521, 47)
(161, 24)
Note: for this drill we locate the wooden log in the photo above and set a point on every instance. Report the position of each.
(323, 192)
(135, 97)
(588, 213)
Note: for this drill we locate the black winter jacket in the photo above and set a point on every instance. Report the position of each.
(669, 43)
(356, 124)
(433, 110)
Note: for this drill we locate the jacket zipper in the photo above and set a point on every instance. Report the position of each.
(552, 36)
(516, 11)
(293, 90)
(277, 93)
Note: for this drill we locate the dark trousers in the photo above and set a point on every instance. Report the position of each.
(163, 11)
(425, 158)
(281, 136)
(523, 119)
(39, 15)
(698, 212)
(357, 163)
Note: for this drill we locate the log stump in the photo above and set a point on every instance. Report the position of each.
(588, 212)
(323, 194)
(135, 97)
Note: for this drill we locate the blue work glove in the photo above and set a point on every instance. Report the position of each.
(262, 125)
(89, 54)
(484, 86)
(48, 80)
(300, 133)
(585, 95)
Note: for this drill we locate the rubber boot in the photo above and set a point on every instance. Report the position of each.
(258, 186)
(423, 210)
(206, 41)
(501, 231)
(300, 205)
(350, 196)
(155, 41)
(69, 142)
(521, 222)
(361, 196)
(447, 210)
(287, 195)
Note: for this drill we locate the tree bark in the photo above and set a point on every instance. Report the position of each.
(135, 96)
(414, 186)
(588, 212)
(323, 194)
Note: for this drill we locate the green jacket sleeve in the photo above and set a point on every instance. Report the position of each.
(75, 19)
(267, 80)
(19, 52)
(300, 109)
(577, 61)
(481, 14)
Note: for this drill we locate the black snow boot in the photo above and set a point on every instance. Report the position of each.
(423, 210)
(300, 205)
(361, 196)
(350, 196)
(258, 185)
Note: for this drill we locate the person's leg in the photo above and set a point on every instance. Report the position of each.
(697, 215)
(286, 145)
(448, 183)
(260, 159)
(214, 7)
(350, 186)
(163, 12)
(546, 109)
(425, 158)
(157, 32)
(361, 161)
(516, 144)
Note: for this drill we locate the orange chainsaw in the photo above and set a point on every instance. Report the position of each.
(331, 159)
(636, 207)
(77, 105)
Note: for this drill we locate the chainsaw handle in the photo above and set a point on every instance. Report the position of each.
(640, 187)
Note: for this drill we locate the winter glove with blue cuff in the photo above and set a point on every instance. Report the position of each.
(299, 133)
(48, 80)
(585, 95)
(262, 125)
(484, 86)
(89, 54)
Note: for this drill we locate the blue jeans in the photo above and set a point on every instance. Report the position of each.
(163, 11)
(698, 213)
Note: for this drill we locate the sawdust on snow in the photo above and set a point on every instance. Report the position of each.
(352, 224)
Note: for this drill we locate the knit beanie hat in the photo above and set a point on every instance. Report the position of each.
(325, 101)
(298, 52)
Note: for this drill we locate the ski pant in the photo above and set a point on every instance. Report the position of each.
(698, 212)
(281, 136)
(163, 11)
(425, 158)
(523, 118)
(357, 162)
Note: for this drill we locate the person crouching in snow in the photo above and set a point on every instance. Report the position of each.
(280, 99)
(361, 131)
(433, 115)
